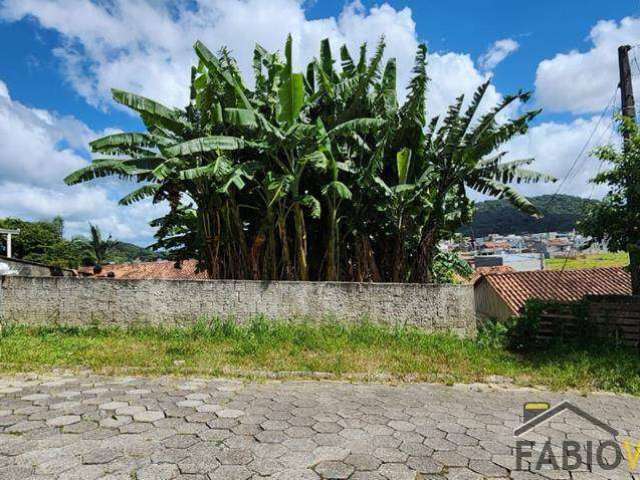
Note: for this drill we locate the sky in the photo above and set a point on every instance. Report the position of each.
(61, 57)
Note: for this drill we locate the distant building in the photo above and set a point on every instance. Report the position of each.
(480, 261)
(524, 262)
(502, 295)
(25, 268)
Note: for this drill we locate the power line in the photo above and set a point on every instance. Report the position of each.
(582, 150)
(584, 147)
(611, 131)
(635, 61)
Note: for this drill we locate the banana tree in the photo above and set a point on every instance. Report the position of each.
(459, 155)
(182, 157)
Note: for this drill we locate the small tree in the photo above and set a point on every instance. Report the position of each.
(616, 220)
(97, 246)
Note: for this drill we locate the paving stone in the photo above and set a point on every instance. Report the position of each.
(100, 456)
(234, 457)
(230, 413)
(265, 466)
(115, 421)
(198, 465)
(190, 403)
(150, 416)
(63, 420)
(389, 455)
(208, 408)
(90, 427)
(36, 396)
(163, 471)
(363, 461)
(401, 425)
(113, 405)
(424, 465)
(450, 459)
(271, 436)
(397, 471)
(230, 472)
(130, 410)
(334, 470)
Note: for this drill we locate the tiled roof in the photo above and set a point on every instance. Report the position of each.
(496, 270)
(564, 286)
(145, 270)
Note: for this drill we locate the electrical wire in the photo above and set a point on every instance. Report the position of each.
(584, 147)
(575, 162)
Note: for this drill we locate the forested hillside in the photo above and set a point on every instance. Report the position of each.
(561, 212)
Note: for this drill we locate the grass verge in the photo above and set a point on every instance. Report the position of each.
(594, 260)
(364, 350)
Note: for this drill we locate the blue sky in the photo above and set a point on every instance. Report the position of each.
(62, 56)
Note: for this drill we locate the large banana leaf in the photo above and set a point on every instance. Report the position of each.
(139, 194)
(357, 125)
(403, 161)
(204, 145)
(338, 188)
(313, 204)
(348, 67)
(167, 117)
(291, 92)
(100, 168)
(241, 117)
(210, 60)
(122, 140)
(488, 186)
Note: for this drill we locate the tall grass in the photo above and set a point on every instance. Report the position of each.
(360, 350)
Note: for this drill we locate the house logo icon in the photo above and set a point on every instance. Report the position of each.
(606, 454)
(537, 413)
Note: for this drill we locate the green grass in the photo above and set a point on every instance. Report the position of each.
(363, 352)
(594, 260)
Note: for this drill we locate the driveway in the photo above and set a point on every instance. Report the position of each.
(89, 427)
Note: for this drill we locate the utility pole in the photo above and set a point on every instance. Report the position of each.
(629, 111)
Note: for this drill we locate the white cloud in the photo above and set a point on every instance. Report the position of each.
(4, 92)
(108, 46)
(584, 82)
(37, 145)
(39, 148)
(555, 146)
(500, 50)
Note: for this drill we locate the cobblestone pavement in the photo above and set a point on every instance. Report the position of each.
(90, 427)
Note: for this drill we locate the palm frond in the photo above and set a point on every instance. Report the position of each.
(204, 145)
(139, 194)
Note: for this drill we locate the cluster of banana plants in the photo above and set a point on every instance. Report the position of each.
(315, 175)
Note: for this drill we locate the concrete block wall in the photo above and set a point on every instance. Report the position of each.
(82, 301)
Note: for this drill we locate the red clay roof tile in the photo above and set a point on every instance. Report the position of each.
(564, 286)
(147, 270)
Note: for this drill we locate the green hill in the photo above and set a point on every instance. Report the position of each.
(128, 252)
(561, 212)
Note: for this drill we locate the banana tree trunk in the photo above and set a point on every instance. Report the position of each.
(423, 271)
(301, 243)
(397, 272)
(332, 253)
(243, 259)
(271, 259)
(426, 254)
(369, 267)
(211, 245)
(287, 271)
